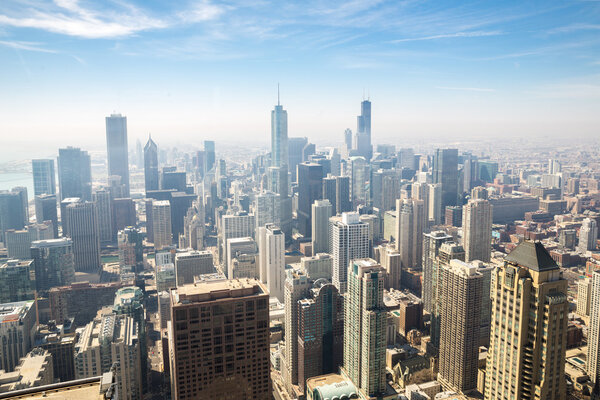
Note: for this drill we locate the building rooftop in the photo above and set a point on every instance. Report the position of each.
(332, 386)
(12, 312)
(95, 388)
(216, 289)
(532, 255)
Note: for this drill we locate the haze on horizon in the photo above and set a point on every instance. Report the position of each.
(208, 69)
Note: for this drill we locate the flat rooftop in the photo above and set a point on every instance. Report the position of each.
(217, 289)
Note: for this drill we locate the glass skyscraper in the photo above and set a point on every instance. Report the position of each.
(116, 146)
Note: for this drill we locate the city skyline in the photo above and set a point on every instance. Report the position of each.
(179, 71)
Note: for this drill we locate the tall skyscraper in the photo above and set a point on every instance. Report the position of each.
(329, 192)
(321, 212)
(44, 178)
(363, 131)
(82, 221)
(310, 188)
(74, 173)
(359, 176)
(104, 203)
(13, 212)
(295, 147)
(584, 296)
(210, 154)
(593, 356)
(117, 149)
(238, 225)
(436, 216)
(445, 172)
(348, 140)
(271, 245)
(477, 230)
(46, 209)
(364, 327)
(349, 241)
(410, 224)
(461, 300)
(391, 260)
(431, 246)
(161, 224)
(385, 189)
(588, 235)
(266, 208)
(54, 263)
(278, 172)
(342, 194)
(220, 365)
(526, 357)
(150, 165)
(131, 249)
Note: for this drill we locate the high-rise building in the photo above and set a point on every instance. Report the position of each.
(359, 175)
(278, 172)
(46, 210)
(214, 363)
(461, 299)
(310, 188)
(431, 246)
(410, 225)
(54, 263)
(349, 240)
(131, 249)
(526, 357)
(391, 260)
(435, 204)
(82, 221)
(44, 178)
(593, 356)
(17, 281)
(318, 266)
(406, 158)
(271, 247)
(588, 235)
(104, 205)
(584, 296)
(161, 224)
(365, 321)
(150, 165)
(385, 189)
(267, 208)
(445, 172)
(321, 212)
(477, 230)
(117, 149)
(123, 214)
(233, 226)
(342, 194)
(107, 341)
(13, 211)
(295, 147)
(237, 247)
(329, 192)
(210, 154)
(193, 226)
(348, 140)
(190, 264)
(363, 131)
(17, 329)
(74, 173)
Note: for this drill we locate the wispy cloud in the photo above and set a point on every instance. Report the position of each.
(203, 11)
(465, 89)
(449, 35)
(575, 28)
(29, 46)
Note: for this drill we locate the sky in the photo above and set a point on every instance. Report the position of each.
(186, 71)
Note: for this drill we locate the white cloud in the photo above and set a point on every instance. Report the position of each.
(449, 35)
(29, 46)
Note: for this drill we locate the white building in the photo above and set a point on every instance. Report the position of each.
(588, 235)
(161, 224)
(321, 212)
(349, 240)
(477, 230)
(271, 245)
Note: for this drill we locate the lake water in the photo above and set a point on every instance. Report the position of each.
(12, 179)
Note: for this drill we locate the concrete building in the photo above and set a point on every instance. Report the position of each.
(131, 249)
(165, 277)
(588, 235)
(17, 281)
(584, 296)
(161, 224)
(117, 149)
(310, 189)
(364, 348)
(74, 174)
(477, 230)
(192, 263)
(410, 226)
(445, 172)
(529, 310)
(35, 369)
(59, 341)
(238, 225)
(266, 208)
(349, 241)
(237, 248)
(17, 330)
(215, 363)
(431, 245)
(82, 227)
(322, 210)
(150, 165)
(318, 266)
(593, 355)
(271, 245)
(46, 210)
(14, 212)
(391, 261)
(104, 204)
(44, 177)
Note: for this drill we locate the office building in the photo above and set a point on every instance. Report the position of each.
(35, 369)
(190, 264)
(349, 240)
(359, 175)
(431, 245)
(526, 357)
(342, 194)
(364, 348)
(54, 263)
(17, 328)
(238, 225)
(318, 266)
(436, 216)
(46, 209)
(44, 177)
(295, 147)
(59, 341)
(82, 225)
(445, 172)
(150, 165)
(266, 208)
(74, 173)
(385, 189)
(210, 154)
(461, 299)
(217, 365)
(310, 188)
(410, 225)
(108, 340)
(193, 227)
(584, 296)
(123, 214)
(161, 224)
(236, 249)
(593, 355)
(13, 210)
(17, 281)
(131, 249)
(588, 235)
(477, 230)
(329, 191)
(271, 247)
(391, 261)
(362, 138)
(321, 211)
(104, 204)
(117, 149)
(278, 171)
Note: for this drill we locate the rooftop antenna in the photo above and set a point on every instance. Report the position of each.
(363, 93)
(369, 95)
(278, 93)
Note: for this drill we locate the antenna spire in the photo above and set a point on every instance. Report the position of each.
(278, 93)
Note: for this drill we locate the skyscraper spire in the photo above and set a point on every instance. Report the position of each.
(278, 94)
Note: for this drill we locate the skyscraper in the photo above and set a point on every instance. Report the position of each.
(431, 246)
(364, 327)
(150, 165)
(161, 224)
(342, 194)
(82, 221)
(117, 149)
(593, 356)
(44, 178)
(526, 357)
(359, 176)
(131, 249)
(13, 214)
(209, 151)
(54, 263)
(74, 173)
(271, 245)
(310, 188)
(445, 172)
(278, 172)
(477, 230)
(216, 364)
(190, 264)
(349, 241)
(46, 210)
(321, 212)
(295, 147)
(461, 300)
(266, 208)
(410, 225)
(363, 131)
(588, 235)
(104, 203)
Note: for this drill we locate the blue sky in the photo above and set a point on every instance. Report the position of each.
(189, 70)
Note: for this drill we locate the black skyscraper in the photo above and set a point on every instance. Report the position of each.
(116, 146)
(310, 188)
(151, 165)
(74, 173)
(342, 193)
(445, 171)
